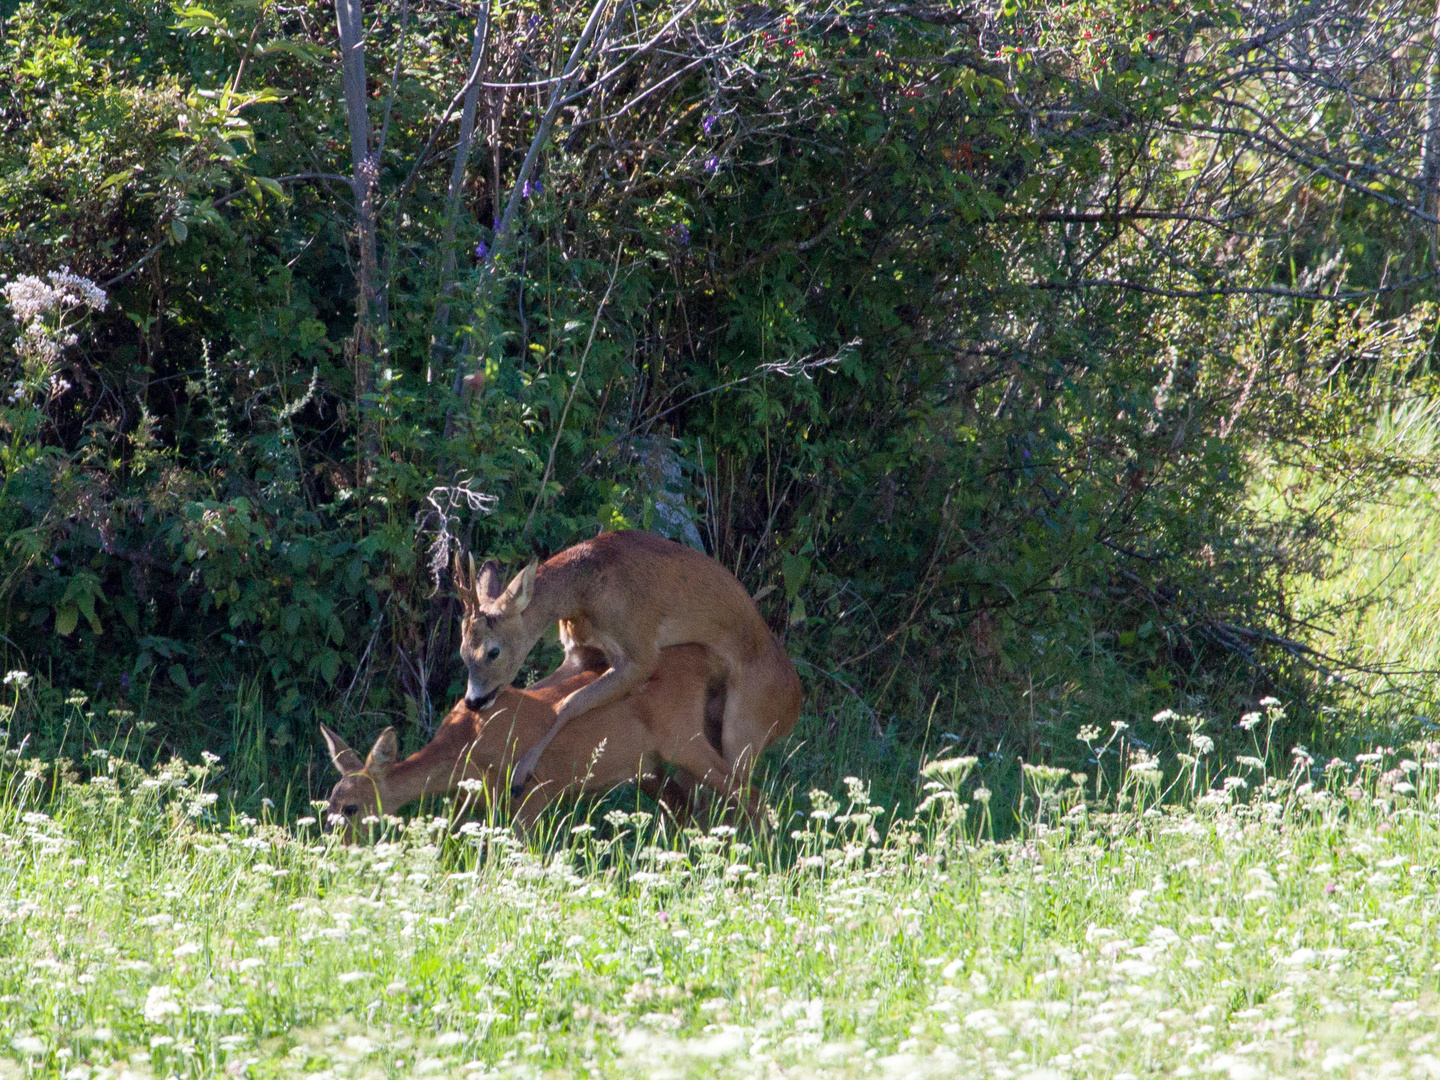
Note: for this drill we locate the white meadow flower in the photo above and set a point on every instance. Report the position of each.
(78, 290)
(949, 766)
(159, 1003)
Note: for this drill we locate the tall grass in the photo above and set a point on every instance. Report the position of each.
(1177, 917)
(1376, 605)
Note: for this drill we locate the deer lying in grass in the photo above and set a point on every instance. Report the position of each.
(628, 594)
(672, 717)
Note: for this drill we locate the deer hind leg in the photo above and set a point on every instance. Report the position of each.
(744, 732)
(762, 701)
(693, 754)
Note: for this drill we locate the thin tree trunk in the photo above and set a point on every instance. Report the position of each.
(439, 348)
(504, 230)
(1430, 154)
(369, 306)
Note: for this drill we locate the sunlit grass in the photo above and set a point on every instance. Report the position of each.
(1284, 926)
(1383, 578)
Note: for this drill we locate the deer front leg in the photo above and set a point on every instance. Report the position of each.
(624, 676)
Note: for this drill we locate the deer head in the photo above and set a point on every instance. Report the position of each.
(361, 792)
(492, 634)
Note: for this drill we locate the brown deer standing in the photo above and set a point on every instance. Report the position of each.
(672, 717)
(629, 595)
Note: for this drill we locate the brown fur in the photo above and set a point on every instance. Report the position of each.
(665, 719)
(629, 595)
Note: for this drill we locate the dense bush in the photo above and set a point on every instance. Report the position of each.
(958, 333)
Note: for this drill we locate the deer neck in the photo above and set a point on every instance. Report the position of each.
(556, 595)
(434, 769)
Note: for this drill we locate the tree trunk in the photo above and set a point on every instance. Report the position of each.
(1430, 154)
(439, 347)
(504, 229)
(365, 179)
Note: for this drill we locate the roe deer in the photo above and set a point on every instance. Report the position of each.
(666, 718)
(629, 594)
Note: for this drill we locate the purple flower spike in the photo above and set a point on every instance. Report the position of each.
(525, 191)
(481, 251)
(709, 122)
(712, 164)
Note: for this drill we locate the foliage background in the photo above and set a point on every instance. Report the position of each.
(962, 334)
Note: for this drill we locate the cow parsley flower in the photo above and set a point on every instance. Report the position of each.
(159, 1003)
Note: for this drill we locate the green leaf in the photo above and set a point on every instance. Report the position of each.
(178, 677)
(178, 231)
(796, 569)
(65, 620)
(329, 665)
(797, 612)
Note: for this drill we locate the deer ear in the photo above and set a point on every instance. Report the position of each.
(385, 750)
(521, 588)
(343, 758)
(487, 584)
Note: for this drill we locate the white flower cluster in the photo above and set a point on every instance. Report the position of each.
(39, 307)
(31, 298)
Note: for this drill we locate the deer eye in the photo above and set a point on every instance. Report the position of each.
(493, 653)
(351, 810)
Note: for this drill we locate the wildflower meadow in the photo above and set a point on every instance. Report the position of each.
(1277, 917)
